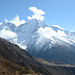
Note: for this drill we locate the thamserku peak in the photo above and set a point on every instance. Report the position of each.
(35, 36)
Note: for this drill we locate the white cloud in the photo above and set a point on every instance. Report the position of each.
(37, 14)
(7, 34)
(0, 23)
(16, 21)
(15, 41)
(23, 47)
(49, 33)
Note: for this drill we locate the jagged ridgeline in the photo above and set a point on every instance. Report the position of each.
(41, 40)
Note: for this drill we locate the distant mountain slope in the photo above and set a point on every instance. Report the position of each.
(11, 55)
(41, 40)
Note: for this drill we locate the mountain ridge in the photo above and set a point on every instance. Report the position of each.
(40, 40)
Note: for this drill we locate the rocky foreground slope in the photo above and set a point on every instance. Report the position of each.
(15, 60)
(9, 68)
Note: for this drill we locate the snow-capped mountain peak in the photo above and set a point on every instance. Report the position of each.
(57, 27)
(41, 39)
(37, 33)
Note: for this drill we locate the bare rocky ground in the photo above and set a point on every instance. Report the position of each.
(15, 61)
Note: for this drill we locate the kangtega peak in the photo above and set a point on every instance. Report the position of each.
(41, 40)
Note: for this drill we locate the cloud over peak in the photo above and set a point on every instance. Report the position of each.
(7, 34)
(0, 23)
(37, 13)
(16, 21)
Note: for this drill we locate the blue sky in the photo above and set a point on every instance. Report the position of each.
(57, 12)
